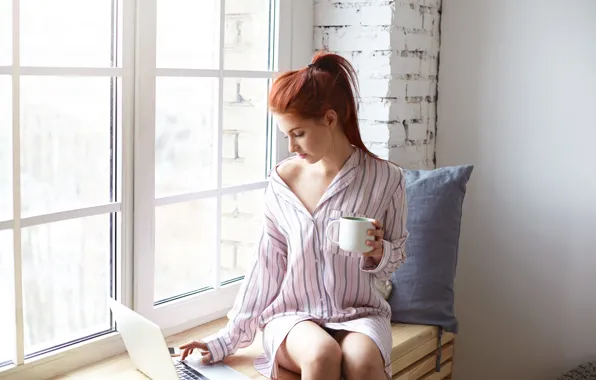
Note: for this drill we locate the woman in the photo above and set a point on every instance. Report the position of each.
(317, 305)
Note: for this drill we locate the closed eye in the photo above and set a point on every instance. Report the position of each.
(295, 135)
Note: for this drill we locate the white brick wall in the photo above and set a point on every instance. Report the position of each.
(394, 46)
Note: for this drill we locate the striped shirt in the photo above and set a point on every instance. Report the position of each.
(297, 272)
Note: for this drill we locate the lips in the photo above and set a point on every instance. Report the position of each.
(302, 156)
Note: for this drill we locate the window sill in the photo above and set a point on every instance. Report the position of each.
(88, 353)
(121, 367)
(67, 359)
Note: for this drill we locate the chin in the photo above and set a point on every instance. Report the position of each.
(311, 160)
(306, 157)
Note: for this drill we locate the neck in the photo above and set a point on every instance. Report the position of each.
(337, 157)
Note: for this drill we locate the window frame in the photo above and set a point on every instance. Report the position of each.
(295, 49)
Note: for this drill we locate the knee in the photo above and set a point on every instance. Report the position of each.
(359, 365)
(361, 368)
(328, 354)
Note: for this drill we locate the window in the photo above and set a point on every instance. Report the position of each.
(61, 208)
(159, 107)
(6, 294)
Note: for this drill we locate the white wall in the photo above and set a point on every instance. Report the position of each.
(394, 47)
(517, 98)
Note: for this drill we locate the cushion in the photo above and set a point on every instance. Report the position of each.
(423, 285)
(586, 371)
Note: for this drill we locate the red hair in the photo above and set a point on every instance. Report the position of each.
(328, 82)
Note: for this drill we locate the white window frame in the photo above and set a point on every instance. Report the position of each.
(135, 282)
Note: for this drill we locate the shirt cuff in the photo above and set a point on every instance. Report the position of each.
(218, 347)
(387, 248)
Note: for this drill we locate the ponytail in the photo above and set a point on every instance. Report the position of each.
(328, 82)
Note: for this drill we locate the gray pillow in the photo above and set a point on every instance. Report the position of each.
(423, 286)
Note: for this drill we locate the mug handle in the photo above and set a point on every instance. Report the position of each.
(327, 232)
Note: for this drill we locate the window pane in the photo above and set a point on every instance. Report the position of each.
(241, 222)
(245, 131)
(247, 34)
(184, 247)
(66, 280)
(5, 148)
(66, 33)
(65, 143)
(5, 33)
(186, 132)
(188, 34)
(6, 297)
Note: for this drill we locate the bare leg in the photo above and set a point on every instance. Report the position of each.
(310, 351)
(361, 357)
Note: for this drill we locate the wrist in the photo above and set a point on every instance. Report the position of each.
(378, 259)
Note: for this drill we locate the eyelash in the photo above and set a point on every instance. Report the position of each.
(297, 135)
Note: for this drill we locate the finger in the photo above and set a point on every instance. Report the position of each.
(189, 351)
(376, 251)
(184, 354)
(376, 244)
(194, 343)
(377, 233)
(206, 359)
(373, 253)
(378, 224)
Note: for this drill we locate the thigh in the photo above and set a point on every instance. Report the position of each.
(358, 349)
(303, 339)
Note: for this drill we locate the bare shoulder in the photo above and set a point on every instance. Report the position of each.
(289, 169)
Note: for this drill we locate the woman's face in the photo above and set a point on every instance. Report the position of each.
(309, 139)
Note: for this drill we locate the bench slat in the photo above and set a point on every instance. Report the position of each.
(425, 365)
(419, 352)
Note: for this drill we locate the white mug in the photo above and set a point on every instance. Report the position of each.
(353, 233)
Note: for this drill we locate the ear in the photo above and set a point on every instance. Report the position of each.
(330, 118)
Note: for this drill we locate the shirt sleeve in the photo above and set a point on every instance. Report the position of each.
(395, 235)
(259, 289)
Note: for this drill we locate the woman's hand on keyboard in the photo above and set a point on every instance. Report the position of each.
(189, 347)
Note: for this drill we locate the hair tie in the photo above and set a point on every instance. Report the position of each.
(312, 65)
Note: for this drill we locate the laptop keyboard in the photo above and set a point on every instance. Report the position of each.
(185, 372)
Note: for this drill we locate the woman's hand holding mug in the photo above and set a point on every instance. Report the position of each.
(377, 244)
(360, 235)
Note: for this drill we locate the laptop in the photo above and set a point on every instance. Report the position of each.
(149, 352)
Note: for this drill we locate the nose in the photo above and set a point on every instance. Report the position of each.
(291, 145)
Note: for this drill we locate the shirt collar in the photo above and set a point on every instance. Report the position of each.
(342, 179)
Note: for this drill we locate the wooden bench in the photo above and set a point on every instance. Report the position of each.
(414, 353)
(413, 356)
